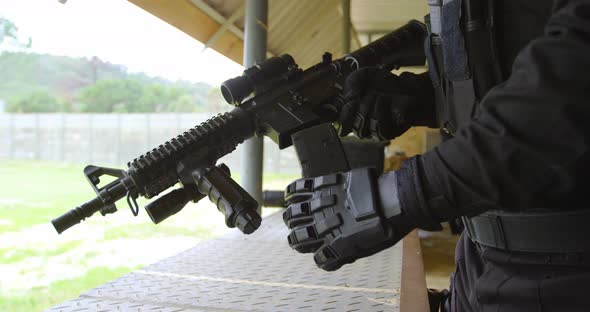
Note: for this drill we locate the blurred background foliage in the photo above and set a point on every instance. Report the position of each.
(43, 83)
(9, 34)
(40, 83)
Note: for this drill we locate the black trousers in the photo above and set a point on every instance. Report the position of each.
(494, 280)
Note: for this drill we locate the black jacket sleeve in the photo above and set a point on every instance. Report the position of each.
(528, 146)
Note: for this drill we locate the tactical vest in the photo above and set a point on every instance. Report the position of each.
(471, 47)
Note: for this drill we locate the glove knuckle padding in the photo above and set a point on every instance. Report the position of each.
(354, 222)
(325, 258)
(326, 181)
(304, 238)
(299, 186)
(342, 219)
(297, 210)
(322, 202)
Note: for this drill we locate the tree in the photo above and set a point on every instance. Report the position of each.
(9, 34)
(215, 101)
(117, 95)
(184, 104)
(134, 96)
(39, 101)
(159, 97)
(7, 30)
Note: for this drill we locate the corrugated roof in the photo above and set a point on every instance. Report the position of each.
(303, 28)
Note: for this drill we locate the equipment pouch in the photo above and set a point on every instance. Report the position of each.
(455, 54)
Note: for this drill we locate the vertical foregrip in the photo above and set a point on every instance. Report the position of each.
(239, 208)
(156, 171)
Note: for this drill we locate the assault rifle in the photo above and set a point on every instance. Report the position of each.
(274, 98)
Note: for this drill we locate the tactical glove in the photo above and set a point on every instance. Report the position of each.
(382, 105)
(346, 216)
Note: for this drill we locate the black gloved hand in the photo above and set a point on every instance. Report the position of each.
(382, 105)
(345, 216)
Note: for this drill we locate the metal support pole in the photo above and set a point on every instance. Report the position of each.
(90, 139)
(37, 137)
(345, 26)
(148, 132)
(120, 160)
(255, 28)
(62, 138)
(11, 137)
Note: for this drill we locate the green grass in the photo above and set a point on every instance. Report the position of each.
(40, 298)
(34, 192)
(17, 255)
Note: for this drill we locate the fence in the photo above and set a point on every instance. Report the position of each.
(111, 139)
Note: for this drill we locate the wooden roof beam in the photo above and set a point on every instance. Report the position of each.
(216, 16)
(211, 12)
(191, 20)
(238, 13)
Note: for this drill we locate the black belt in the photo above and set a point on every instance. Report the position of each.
(556, 232)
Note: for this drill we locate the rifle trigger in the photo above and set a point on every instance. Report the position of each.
(134, 207)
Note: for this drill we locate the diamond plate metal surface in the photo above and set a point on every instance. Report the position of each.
(258, 272)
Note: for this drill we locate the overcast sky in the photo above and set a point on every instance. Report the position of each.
(119, 32)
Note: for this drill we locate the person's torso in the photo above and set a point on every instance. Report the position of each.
(472, 49)
(473, 44)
